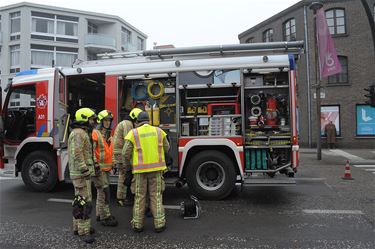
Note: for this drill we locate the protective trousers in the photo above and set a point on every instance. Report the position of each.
(153, 183)
(120, 184)
(83, 187)
(101, 182)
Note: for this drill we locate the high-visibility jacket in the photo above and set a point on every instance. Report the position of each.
(103, 151)
(148, 151)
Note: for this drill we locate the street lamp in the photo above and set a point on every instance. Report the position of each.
(314, 6)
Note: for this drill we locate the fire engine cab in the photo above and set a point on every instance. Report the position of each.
(229, 112)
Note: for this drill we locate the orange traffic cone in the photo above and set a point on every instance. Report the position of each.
(348, 174)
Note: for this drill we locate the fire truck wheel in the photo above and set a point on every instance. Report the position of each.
(211, 175)
(39, 171)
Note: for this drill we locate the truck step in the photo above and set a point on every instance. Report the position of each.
(257, 181)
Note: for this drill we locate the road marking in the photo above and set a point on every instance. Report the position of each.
(330, 211)
(369, 169)
(364, 166)
(60, 200)
(309, 179)
(8, 178)
(344, 154)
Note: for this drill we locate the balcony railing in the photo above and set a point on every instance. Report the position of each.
(100, 42)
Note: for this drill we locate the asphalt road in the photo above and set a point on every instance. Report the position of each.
(320, 211)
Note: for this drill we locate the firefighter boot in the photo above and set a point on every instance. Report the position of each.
(88, 238)
(160, 229)
(92, 231)
(110, 221)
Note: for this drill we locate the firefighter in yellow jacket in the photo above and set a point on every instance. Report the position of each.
(145, 146)
(81, 168)
(124, 196)
(102, 149)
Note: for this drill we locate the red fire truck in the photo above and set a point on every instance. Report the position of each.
(229, 112)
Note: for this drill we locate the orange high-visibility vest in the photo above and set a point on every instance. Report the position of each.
(103, 151)
(148, 151)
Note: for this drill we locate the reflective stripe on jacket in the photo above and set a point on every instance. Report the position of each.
(148, 151)
(103, 151)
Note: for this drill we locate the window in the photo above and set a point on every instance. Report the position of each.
(343, 76)
(92, 28)
(15, 25)
(250, 40)
(365, 126)
(42, 25)
(44, 56)
(336, 21)
(139, 43)
(67, 28)
(45, 26)
(41, 58)
(126, 36)
(14, 57)
(328, 114)
(268, 35)
(20, 114)
(65, 59)
(289, 30)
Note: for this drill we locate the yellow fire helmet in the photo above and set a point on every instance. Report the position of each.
(134, 113)
(83, 114)
(105, 114)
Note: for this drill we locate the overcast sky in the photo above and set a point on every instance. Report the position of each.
(182, 22)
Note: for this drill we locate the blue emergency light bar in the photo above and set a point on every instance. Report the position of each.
(27, 72)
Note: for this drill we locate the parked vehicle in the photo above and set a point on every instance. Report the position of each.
(229, 112)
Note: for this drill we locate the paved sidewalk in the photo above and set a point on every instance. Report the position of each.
(338, 156)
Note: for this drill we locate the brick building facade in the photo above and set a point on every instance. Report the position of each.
(351, 32)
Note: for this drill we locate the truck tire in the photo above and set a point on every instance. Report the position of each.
(39, 171)
(211, 175)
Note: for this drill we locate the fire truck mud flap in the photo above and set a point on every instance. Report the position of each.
(211, 175)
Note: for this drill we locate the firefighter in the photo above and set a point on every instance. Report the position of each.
(102, 149)
(81, 169)
(145, 146)
(124, 196)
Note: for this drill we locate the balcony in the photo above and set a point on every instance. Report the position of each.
(99, 43)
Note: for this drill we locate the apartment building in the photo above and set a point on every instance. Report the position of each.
(36, 36)
(342, 95)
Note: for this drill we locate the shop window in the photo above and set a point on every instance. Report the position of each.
(330, 114)
(365, 117)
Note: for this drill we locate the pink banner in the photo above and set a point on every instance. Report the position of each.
(328, 61)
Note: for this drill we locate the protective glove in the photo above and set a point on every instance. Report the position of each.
(128, 178)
